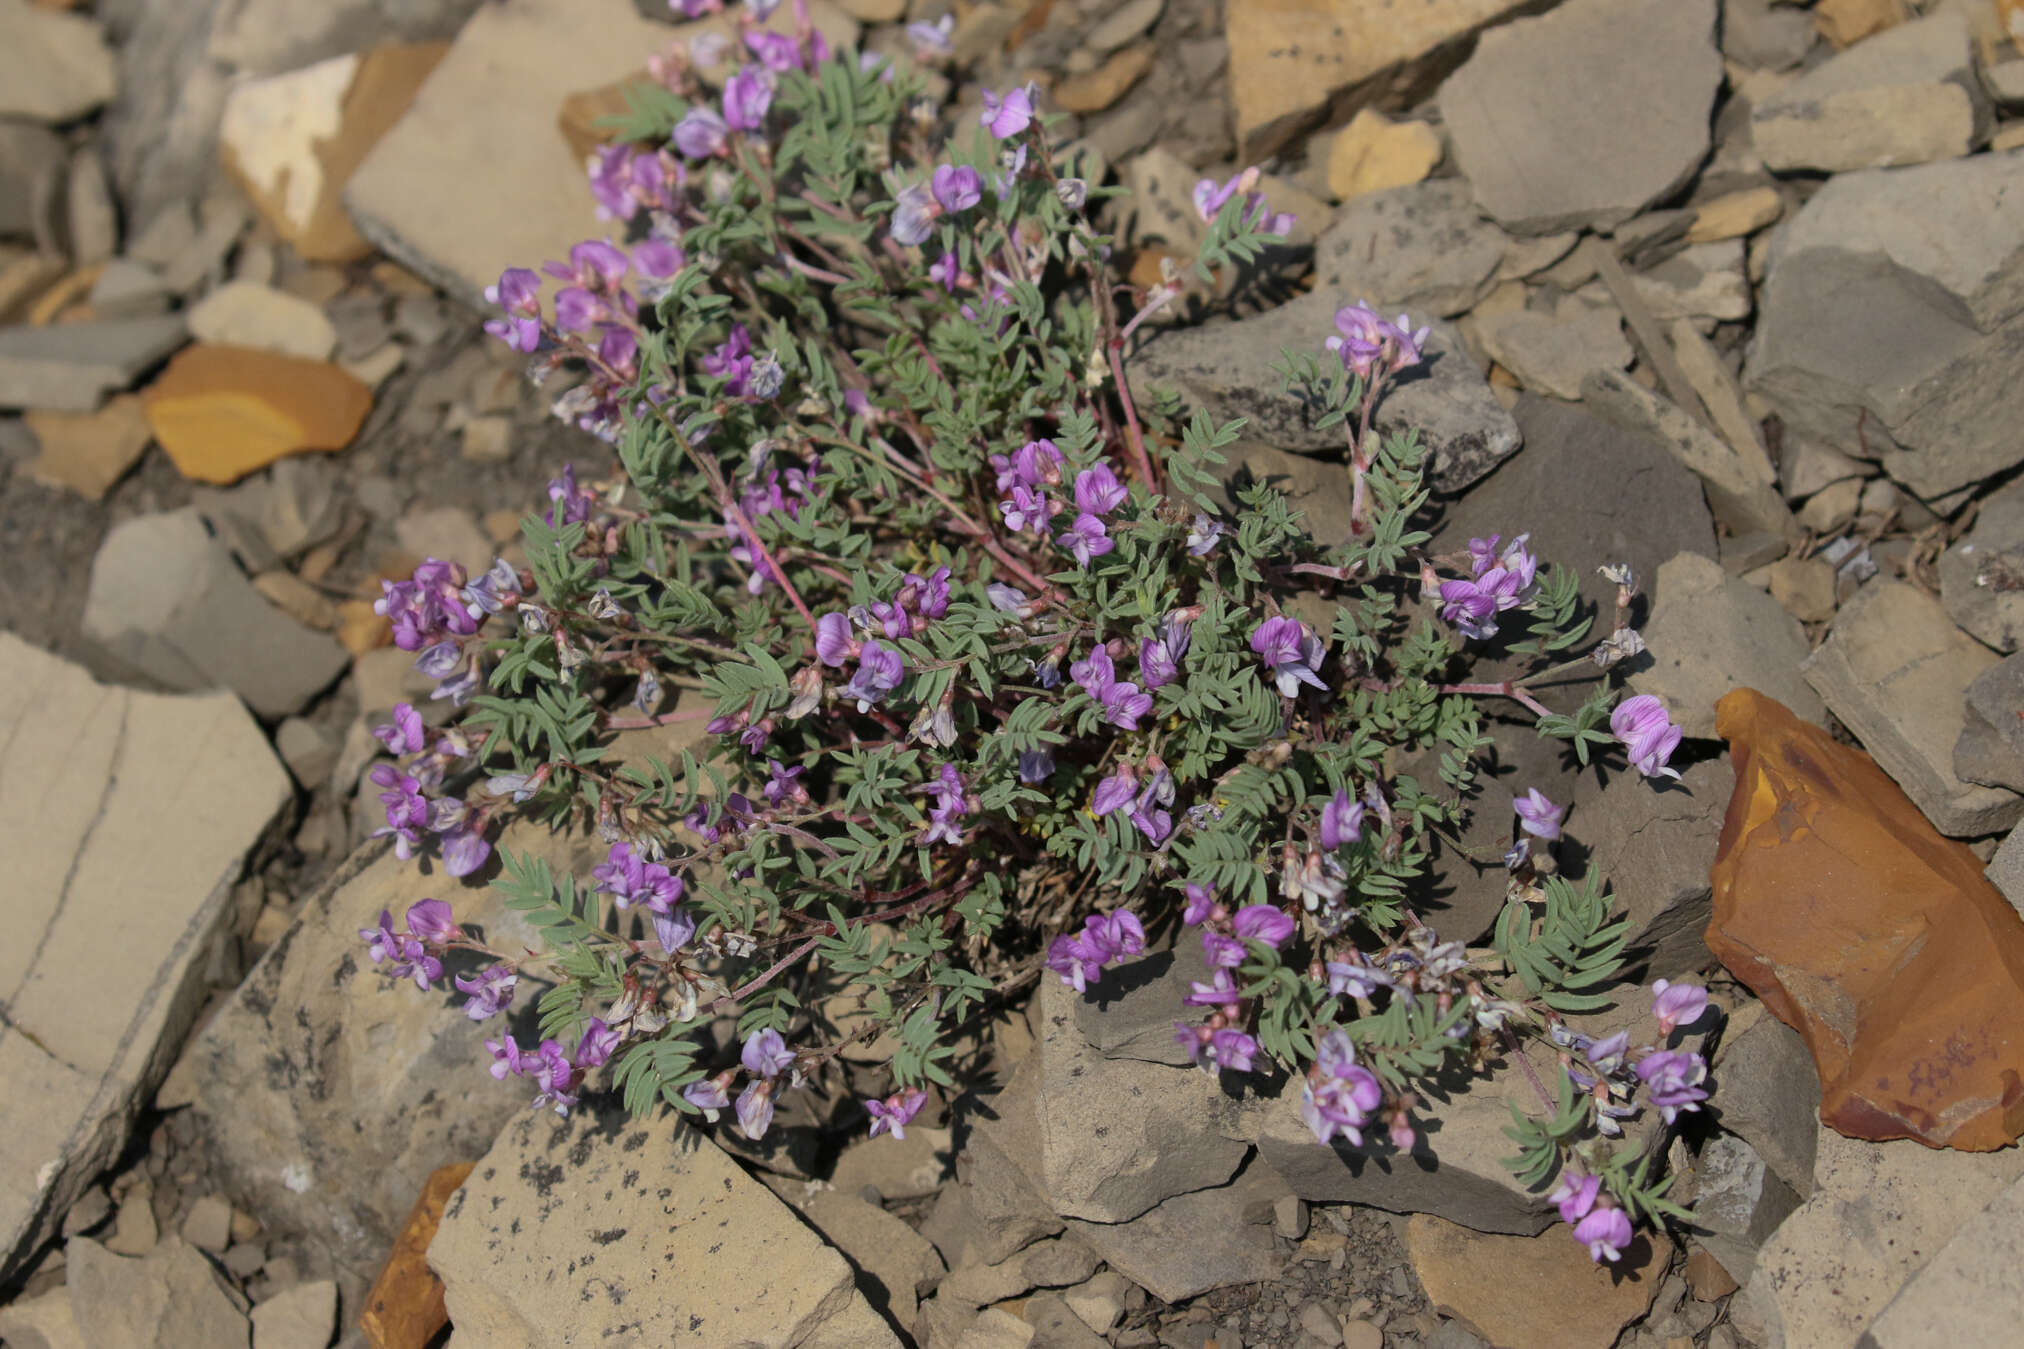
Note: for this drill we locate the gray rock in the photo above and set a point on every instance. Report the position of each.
(71, 367)
(1982, 754)
(1767, 1093)
(31, 184)
(171, 1298)
(533, 1248)
(1586, 115)
(1739, 489)
(1424, 248)
(1594, 494)
(2006, 870)
(1907, 95)
(1319, 488)
(145, 827)
(128, 289)
(1057, 1325)
(1131, 1012)
(1969, 1292)
(1982, 575)
(1052, 1262)
(1765, 35)
(1701, 281)
(93, 218)
(1738, 1204)
(1652, 843)
(1711, 632)
(2005, 82)
(168, 603)
(1550, 354)
(314, 1022)
(895, 1265)
(1227, 368)
(1953, 224)
(54, 67)
(1998, 696)
(1167, 1250)
(1895, 670)
(302, 1317)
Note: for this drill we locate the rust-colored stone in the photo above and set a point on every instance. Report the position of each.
(582, 113)
(405, 1308)
(1882, 942)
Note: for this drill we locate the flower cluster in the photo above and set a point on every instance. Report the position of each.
(1221, 1042)
(414, 812)
(1498, 582)
(1373, 349)
(1291, 652)
(1104, 940)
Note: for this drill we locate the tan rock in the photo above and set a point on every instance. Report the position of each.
(53, 67)
(246, 314)
(1373, 153)
(1547, 1293)
(1846, 22)
(1291, 59)
(298, 599)
(222, 412)
(173, 1297)
(293, 141)
(1100, 88)
(301, 1317)
(1735, 214)
(488, 440)
(580, 114)
(1805, 586)
(359, 629)
(88, 452)
(134, 1230)
(44, 1322)
(24, 278)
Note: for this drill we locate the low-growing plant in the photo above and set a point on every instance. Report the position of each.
(991, 668)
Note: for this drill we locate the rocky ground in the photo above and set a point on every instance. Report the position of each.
(1733, 292)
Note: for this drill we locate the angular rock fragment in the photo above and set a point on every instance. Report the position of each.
(1969, 1292)
(1982, 575)
(71, 367)
(223, 411)
(1586, 115)
(1547, 1292)
(88, 452)
(1166, 1251)
(1652, 845)
(1551, 354)
(1767, 1094)
(1905, 96)
(1711, 632)
(1424, 248)
(121, 808)
(54, 67)
(1896, 670)
(1373, 153)
(170, 1297)
(584, 1229)
(1879, 940)
(895, 1265)
(1738, 1202)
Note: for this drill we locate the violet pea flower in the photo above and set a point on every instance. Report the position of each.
(701, 133)
(879, 671)
(507, 1058)
(1677, 1004)
(914, 213)
(1341, 821)
(1087, 538)
(1221, 950)
(776, 51)
(1290, 652)
(430, 920)
(766, 1054)
(1231, 1049)
(1262, 922)
(1575, 1194)
(747, 96)
(1098, 492)
(488, 992)
(1201, 903)
(403, 735)
(1673, 1080)
(1008, 115)
(518, 291)
(1220, 991)
(1605, 1231)
(833, 643)
(1123, 705)
(1113, 793)
(755, 1109)
(1095, 673)
(1537, 815)
(957, 187)
(708, 1095)
(1648, 734)
(1036, 765)
(895, 1112)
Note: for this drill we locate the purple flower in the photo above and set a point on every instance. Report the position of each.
(1104, 939)
(1538, 816)
(747, 96)
(595, 1048)
(1262, 922)
(1113, 793)
(1086, 538)
(755, 1109)
(658, 258)
(1673, 1080)
(508, 1058)
(382, 941)
(776, 51)
(1677, 1004)
(1290, 651)
(1341, 821)
(895, 1112)
(780, 784)
(1366, 342)
(1339, 1095)
(1210, 1050)
(1097, 491)
(1119, 931)
(1123, 705)
(1575, 1194)
(1095, 673)
(404, 734)
(489, 992)
(568, 504)
(1221, 950)
(673, 930)
(518, 291)
(1010, 115)
(957, 187)
(1201, 904)
(519, 334)
(430, 920)
(1648, 734)
(1605, 1231)
(701, 133)
(951, 804)
(708, 1096)
(1209, 198)
(1036, 765)
(1160, 656)
(1220, 991)
(914, 214)
(948, 270)
(1202, 535)
(766, 1054)
(464, 851)
(731, 361)
(407, 814)
(932, 40)
(1355, 977)
(879, 671)
(833, 643)
(427, 607)
(1036, 464)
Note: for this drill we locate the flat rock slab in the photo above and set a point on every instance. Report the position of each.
(124, 818)
(1896, 671)
(1970, 1290)
(1982, 575)
(1905, 96)
(315, 1024)
(1195, 1242)
(71, 367)
(1584, 116)
(1546, 1293)
(1652, 841)
(1711, 632)
(471, 183)
(1880, 941)
(594, 1230)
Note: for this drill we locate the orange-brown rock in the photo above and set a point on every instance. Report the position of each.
(1877, 938)
(582, 112)
(221, 412)
(404, 1309)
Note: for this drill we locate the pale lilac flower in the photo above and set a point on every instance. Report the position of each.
(1226, 1048)
(1123, 705)
(1220, 991)
(430, 920)
(1201, 904)
(464, 851)
(1262, 922)
(594, 1049)
(1355, 977)
(948, 270)
(508, 1058)
(708, 1095)
(879, 671)
(747, 96)
(518, 291)
(1673, 1080)
(895, 1112)
(1094, 673)
(761, 10)
(1097, 490)
(1341, 821)
(1087, 539)
(489, 992)
(1222, 950)
(403, 735)
(914, 213)
(1648, 734)
(382, 942)
(766, 1054)
(1339, 1095)
(1677, 1004)
(776, 51)
(407, 814)
(1575, 1194)
(932, 41)
(1036, 765)
(1114, 793)
(957, 187)
(1005, 599)
(1009, 115)
(952, 802)
(1160, 656)
(673, 930)
(1202, 535)
(833, 642)
(1605, 1231)
(1026, 509)
(1537, 815)
(1105, 938)
(1365, 342)
(755, 1109)
(1290, 651)
(1036, 464)
(701, 132)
